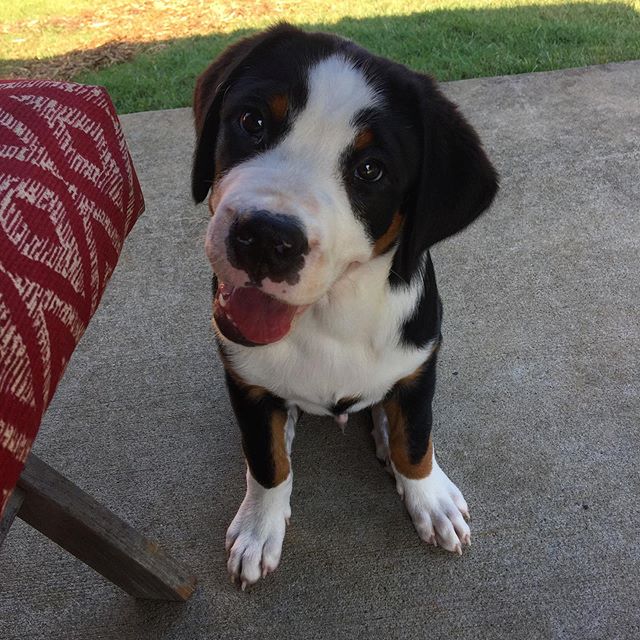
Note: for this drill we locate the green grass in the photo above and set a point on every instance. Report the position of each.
(450, 40)
(40, 31)
(11, 11)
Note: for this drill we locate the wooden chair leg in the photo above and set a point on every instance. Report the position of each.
(10, 512)
(75, 521)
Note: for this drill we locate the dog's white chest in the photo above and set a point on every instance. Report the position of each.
(345, 347)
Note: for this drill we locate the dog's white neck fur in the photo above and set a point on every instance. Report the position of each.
(345, 345)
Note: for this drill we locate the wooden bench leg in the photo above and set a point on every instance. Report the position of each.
(74, 520)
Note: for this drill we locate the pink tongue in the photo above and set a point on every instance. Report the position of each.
(249, 316)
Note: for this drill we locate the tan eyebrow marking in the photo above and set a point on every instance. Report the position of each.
(279, 105)
(363, 139)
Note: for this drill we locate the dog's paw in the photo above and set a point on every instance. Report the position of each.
(437, 509)
(254, 538)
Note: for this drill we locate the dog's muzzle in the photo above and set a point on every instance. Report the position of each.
(263, 245)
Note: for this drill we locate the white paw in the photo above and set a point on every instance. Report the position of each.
(254, 538)
(437, 509)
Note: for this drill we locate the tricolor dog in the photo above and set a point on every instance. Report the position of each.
(329, 173)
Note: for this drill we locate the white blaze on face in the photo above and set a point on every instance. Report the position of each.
(302, 177)
(324, 128)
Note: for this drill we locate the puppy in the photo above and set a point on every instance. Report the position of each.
(331, 172)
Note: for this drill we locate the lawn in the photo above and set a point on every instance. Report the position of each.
(148, 52)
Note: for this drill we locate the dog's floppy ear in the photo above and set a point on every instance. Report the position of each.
(207, 99)
(456, 183)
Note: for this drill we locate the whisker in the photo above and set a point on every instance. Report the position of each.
(398, 276)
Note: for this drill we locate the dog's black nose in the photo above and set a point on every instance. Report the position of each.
(267, 245)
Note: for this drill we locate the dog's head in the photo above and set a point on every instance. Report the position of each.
(321, 157)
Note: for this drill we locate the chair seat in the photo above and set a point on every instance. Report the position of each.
(69, 196)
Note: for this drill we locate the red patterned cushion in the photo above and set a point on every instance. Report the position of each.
(68, 197)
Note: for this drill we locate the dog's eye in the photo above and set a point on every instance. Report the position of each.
(369, 171)
(252, 123)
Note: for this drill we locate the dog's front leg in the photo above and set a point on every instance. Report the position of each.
(402, 431)
(254, 538)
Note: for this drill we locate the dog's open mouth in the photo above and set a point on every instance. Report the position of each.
(248, 316)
